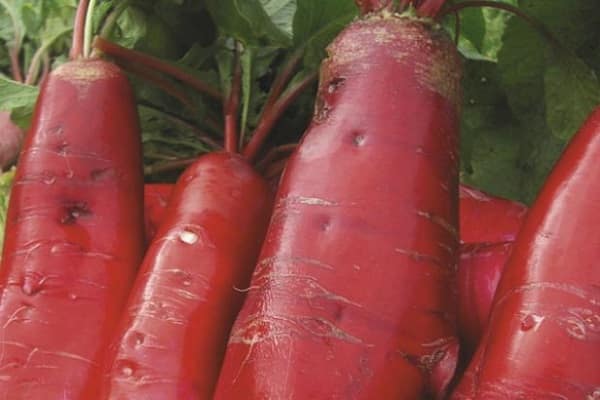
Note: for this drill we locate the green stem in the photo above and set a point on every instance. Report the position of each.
(168, 166)
(113, 17)
(232, 105)
(89, 29)
(36, 60)
(201, 134)
(13, 52)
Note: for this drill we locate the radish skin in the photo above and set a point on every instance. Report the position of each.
(543, 338)
(353, 296)
(11, 137)
(172, 338)
(479, 271)
(74, 233)
(488, 228)
(488, 219)
(156, 200)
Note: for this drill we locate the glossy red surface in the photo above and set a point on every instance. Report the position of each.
(172, 338)
(74, 233)
(543, 338)
(488, 219)
(488, 228)
(479, 272)
(352, 297)
(156, 200)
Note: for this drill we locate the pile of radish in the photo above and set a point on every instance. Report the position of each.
(359, 267)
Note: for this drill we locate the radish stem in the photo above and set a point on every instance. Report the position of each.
(89, 28)
(168, 166)
(78, 30)
(157, 80)
(231, 107)
(111, 20)
(270, 116)
(133, 56)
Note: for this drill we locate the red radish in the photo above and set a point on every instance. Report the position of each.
(172, 337)
(353, 294)
(10, 140)
(187, 294)
(488, 219)
(156, 199)
(74, 233)
(543, 337)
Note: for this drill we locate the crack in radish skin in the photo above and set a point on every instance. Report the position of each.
(595, 395)
(310, 201)
(421, 257)
(263, 328)
(309, 290)
(441, 222)
(592, 296)
(269, 263)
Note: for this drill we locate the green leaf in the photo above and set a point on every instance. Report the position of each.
(317, 22)
(247, 21)
(15, 95)
(572, 91)
(281, 13)
(521, 64)
(6, 179)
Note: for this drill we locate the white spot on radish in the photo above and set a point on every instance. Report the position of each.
(126, 368)
(48, 179)
(358, 139)
(595, 395)
(334, 84)
(136, 339)
(73, 296)
(188, 237)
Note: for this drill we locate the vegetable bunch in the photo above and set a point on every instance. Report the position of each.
(285, 200)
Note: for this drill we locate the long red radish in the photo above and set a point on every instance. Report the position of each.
(74, 233)
(172, 337)
(353, 294)
(543, 337)
(187, 294)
